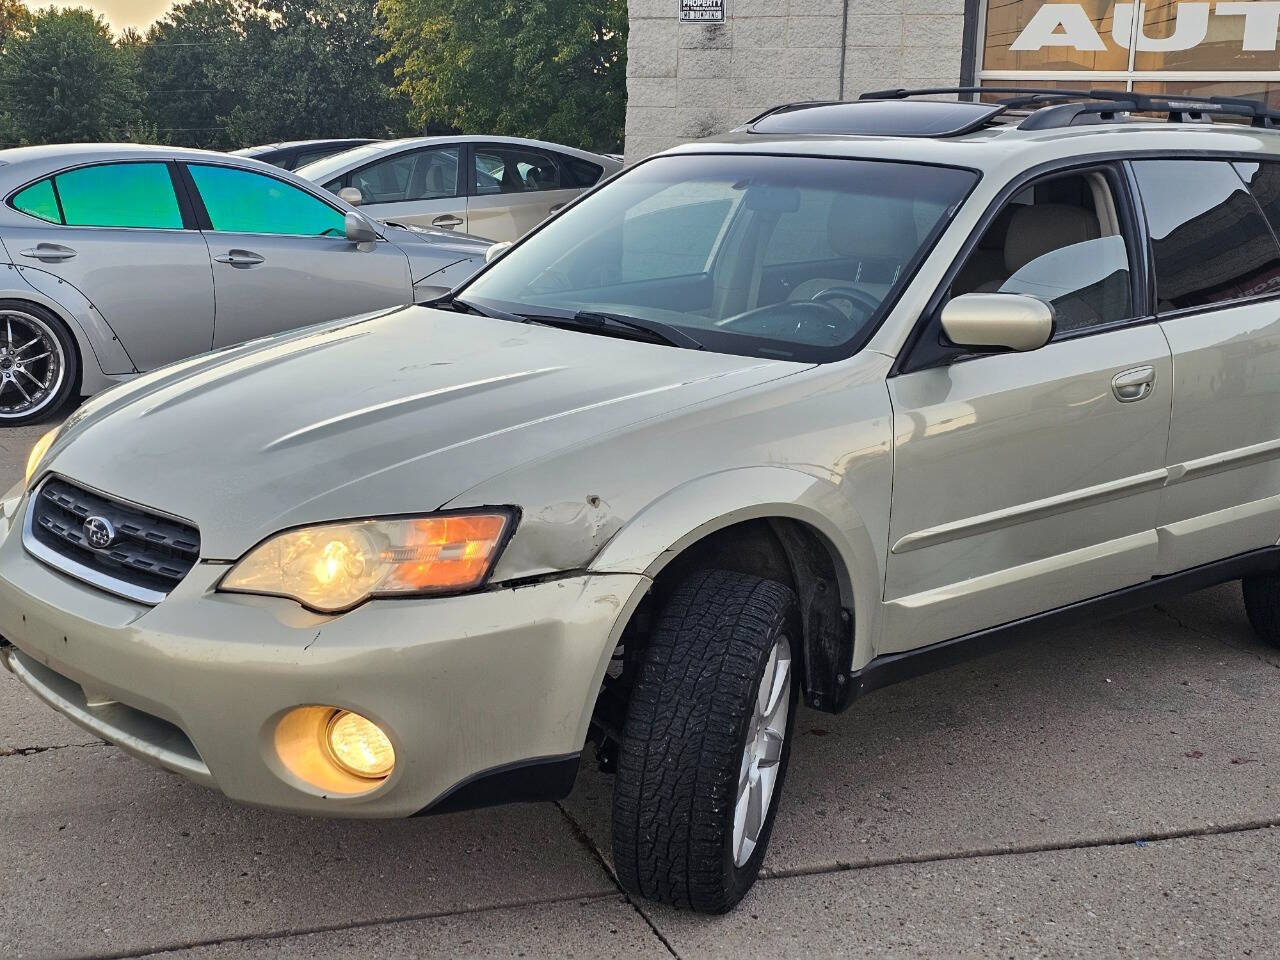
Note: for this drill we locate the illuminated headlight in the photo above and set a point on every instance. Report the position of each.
(336, 566)
(38, 451)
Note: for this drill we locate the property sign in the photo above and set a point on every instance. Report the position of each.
(702, 11)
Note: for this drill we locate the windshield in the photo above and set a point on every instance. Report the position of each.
(770, 256)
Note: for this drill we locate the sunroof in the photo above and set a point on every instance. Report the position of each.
(884, 118)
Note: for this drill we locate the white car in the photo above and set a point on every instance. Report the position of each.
(494, 187)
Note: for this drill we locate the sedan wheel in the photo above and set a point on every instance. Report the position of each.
(33, 366)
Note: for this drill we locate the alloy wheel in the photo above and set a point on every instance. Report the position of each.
(32, 365)
(766, 733)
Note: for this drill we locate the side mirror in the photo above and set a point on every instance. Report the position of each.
(359, 230)
(497, 250)
(351, 195)
(1008, 320)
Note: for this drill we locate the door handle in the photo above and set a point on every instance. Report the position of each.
(241, 258)
(49, 252)
(1135, 384)
(448, 221)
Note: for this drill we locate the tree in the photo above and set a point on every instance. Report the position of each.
(176, 67)
(554, 69)
(301, 69)
(62, 79)
(12, 16)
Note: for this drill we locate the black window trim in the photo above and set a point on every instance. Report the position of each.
(57, 196)
(1217, 305)
(915, 354)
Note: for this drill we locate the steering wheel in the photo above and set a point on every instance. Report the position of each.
(800, 320)
(857, 299)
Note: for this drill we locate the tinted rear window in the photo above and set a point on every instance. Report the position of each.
(1209, 239)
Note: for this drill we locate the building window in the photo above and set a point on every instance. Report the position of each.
(1223, 47)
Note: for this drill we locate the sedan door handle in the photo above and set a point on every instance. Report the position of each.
(49, 252)
(448, 221)
(241, 258)
(1135, 384)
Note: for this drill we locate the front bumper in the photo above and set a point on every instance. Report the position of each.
(469, 688)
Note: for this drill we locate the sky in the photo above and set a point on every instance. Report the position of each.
(119, 13)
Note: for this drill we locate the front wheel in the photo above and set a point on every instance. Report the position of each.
(705, 746)
(38, 363)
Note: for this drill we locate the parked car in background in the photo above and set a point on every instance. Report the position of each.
(494, 187)
(118, 258)
(296, 153)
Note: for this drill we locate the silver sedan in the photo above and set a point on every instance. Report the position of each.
(116, 259)
(494, 187)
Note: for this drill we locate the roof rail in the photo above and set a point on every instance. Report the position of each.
(1105, 104)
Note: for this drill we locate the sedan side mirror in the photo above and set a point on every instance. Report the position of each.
(359, 230)
(497, 250)
(1008, 320)
(351, 195)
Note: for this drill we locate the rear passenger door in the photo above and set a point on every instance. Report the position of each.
(1217, 288)
(1028, 481)
(513, 189)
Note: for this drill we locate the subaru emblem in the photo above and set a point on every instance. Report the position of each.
(99, 532)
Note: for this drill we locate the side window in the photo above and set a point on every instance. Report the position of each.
(39, 200)
(578, 174)
(500, 169)
(430, 174)
(1210, 242)
(108, 195)
(239, 201)
(1059, 240)
(1264, 181)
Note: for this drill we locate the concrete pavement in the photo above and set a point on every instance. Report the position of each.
(1110, 791)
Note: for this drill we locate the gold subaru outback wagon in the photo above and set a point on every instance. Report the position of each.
(852, 392)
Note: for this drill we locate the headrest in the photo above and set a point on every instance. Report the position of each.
(1044, 227)
(864, 227)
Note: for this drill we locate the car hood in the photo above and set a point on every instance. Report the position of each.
(386, 414)
(441, 241)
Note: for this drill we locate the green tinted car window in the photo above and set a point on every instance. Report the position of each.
(119, 195)
(239, 201)
(38, 201)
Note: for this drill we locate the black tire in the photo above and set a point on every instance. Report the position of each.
(1262, 604)
(23, 315)
(682, 750)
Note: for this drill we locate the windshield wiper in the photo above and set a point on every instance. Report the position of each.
(466, 306)
(590, 321)
(653, 331)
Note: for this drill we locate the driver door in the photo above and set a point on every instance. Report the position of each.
(281, 258)
(1024, 482)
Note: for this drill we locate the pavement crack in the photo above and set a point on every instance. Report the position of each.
(275, 935)
(1191, 833)
(1226, 641)
(32, 751)
(584, 839)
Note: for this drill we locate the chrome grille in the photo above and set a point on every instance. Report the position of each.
(149, 555)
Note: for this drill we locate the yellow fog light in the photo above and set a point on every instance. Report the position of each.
(359, 746)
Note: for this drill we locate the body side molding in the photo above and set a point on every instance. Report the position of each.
(893, 667)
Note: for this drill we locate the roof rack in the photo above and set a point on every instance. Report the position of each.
(1105, 105)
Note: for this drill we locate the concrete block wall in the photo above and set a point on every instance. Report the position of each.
(686, 81)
